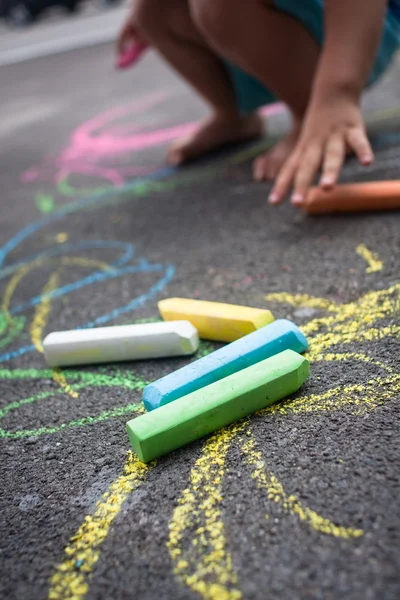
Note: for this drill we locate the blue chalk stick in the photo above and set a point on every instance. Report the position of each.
(252, 348)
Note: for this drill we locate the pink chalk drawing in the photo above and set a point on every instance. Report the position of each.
(101, 146)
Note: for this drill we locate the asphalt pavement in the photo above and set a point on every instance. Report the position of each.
(299, 502)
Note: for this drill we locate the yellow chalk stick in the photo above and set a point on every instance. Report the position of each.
(214, 320)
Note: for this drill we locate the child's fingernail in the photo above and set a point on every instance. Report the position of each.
(327, 181)
(366, 159)
(273, 198)
(297, 198)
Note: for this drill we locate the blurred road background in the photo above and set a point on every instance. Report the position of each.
(56, 32)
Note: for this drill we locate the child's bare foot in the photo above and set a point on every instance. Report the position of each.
(267, 166)
(213, 134)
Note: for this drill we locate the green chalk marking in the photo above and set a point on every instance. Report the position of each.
(3, 323)
(89, 420)
(116, 378)
(14, 329)
(45, 203)
(205, 349)
(88, 380)
(66, 189)
(217, 405)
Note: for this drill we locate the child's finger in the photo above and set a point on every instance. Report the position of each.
(284, 180)
(357, 139)
(334, 157)
(122, 40)
(306, 173)
(127, 37)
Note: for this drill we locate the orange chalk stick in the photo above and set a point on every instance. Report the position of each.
(356, 197)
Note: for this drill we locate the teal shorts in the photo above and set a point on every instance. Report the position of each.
(251, 94)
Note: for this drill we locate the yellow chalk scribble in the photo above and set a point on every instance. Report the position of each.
(357, 322)
(61, 238)
(362, 397)
(354, 322)
(38, 324)
(9, 292)
(302, 300)
(267, 481)
(351, 356)
(202, 561)
(374, 264)
(63, 383)
(70, 580)
(42, 312)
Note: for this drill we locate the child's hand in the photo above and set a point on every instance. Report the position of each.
(331, 128)
(129, 35)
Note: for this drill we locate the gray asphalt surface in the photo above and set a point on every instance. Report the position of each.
(201, 232)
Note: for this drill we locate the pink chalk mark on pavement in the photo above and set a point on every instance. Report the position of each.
(97, 145)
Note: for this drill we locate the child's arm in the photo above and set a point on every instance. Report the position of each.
(333, 123)
(353, 32)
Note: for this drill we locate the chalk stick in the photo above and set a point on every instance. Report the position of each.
(119, 343)
(356, 197)
(217, 405)
(131, 55)
(248, 350)
(215, 320)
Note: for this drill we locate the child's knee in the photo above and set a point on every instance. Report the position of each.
(215, 19)
(220, 20)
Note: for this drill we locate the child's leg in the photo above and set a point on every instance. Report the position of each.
(270, 45)
(170, 28)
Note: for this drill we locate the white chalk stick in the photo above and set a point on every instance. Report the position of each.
(119, 343)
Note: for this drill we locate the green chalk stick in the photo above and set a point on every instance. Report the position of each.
(217, 405)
